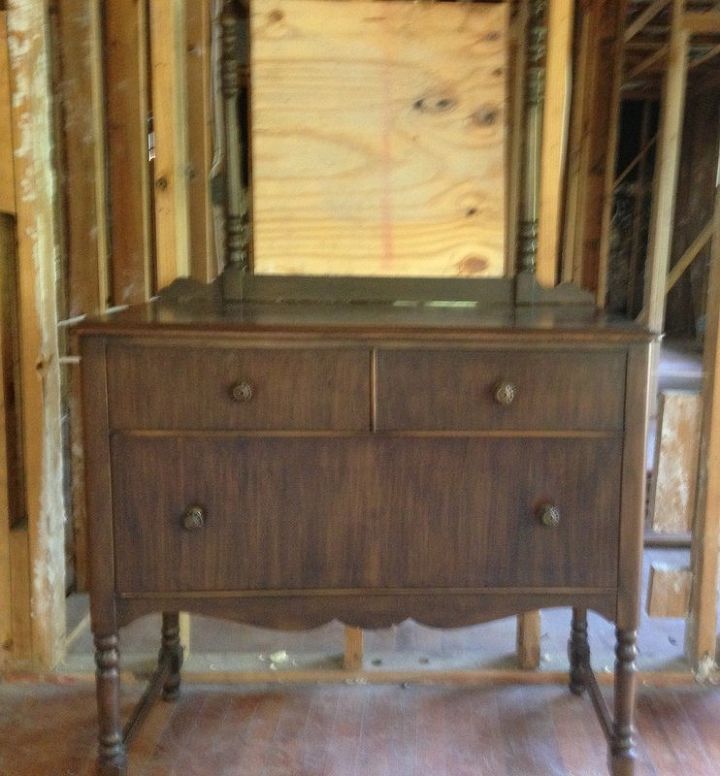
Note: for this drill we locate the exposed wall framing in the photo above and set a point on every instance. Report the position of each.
(151, 219)
(702, 625)
(38, 544)
(593, 137)
(669, 42)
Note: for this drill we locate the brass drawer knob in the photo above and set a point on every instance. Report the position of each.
(193, 518)
(505, 393)
(242, 391)
(550, 515)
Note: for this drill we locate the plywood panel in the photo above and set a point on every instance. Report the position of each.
(378, 137)
(668, 591)
(676, 461)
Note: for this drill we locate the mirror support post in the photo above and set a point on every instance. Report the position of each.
(534, 97)
(237, 228)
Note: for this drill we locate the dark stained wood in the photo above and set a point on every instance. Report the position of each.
(432, 389)
(394, 513)
(563, 326)
(111, 754)
(578, 651)
(622, 745)
(273, 288)
(98, 484)
(633, 487)
(297, 610)
(370, 477)
(291, 389)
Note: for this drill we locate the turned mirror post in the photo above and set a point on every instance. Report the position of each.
(237, 217)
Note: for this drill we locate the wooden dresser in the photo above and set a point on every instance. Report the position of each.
(287, 464)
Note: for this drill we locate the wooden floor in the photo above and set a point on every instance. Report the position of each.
(48, 730)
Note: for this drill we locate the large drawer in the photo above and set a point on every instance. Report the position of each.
(363, 512)
(225, 388)
(534, 390)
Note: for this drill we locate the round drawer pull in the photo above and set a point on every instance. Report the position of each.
(550, 515)
(505, 393)
(242, 391)
(193, 518)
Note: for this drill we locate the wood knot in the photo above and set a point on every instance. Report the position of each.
(485, 116)
(435, 104)
(276, 16)
(471, 266)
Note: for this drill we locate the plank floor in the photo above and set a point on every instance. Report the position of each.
(49, 730)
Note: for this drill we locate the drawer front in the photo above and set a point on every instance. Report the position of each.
(215, 388)
(519, 390)
(362, 512)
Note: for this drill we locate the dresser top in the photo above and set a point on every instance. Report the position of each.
(430, 320)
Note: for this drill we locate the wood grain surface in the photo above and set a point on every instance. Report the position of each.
(396, 513)
(434, 389)
(356, 731)
(378, 137)
(297, 389)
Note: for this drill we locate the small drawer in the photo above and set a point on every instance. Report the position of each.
(225, 388)
(486, 390)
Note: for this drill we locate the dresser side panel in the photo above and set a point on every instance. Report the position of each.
(98, 483)
(634, 495)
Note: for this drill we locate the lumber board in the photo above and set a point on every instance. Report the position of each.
(528, 640)
(21, 646)
(578, 151)
(667, 163)
(126, 68)
(354, 647)
(7, 175)
(689, 256)
(592, 142)
(611, 146)
(654, 61)
(167, 56)
(37, 260)
(378, 138)
(637, 209)
(9, 348)
(7, 239)
(698, 23)
(668, 591)
(203, 264)
(81, 92)
(701, 630)
(553, 158)
(640, 156)
(676, 461)
(82, 96)
(644, 18)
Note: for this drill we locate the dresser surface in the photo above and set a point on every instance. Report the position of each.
(285, 465)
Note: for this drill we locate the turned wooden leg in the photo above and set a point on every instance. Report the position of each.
(622, 751)
(172, 651)
(112, 758)
(578, 651)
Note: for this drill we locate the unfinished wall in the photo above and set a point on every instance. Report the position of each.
(695, 202)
